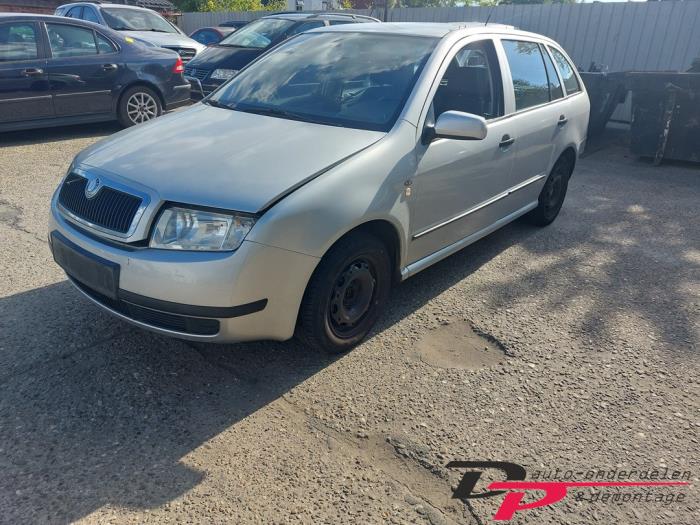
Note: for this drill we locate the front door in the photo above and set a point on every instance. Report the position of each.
(24, 87)
(83, 69)
(454, 193)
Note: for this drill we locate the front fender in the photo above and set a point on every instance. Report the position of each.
(368, 186)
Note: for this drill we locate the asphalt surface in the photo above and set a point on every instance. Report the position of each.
(572, 347)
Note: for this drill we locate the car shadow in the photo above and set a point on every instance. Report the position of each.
(94, 411)
(58, 134)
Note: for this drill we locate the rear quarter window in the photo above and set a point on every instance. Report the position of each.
(567, 72)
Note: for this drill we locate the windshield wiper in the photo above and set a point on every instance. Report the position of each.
(283, 113)
(216, 104)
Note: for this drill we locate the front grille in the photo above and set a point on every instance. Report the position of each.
(199, 74)
(176, 323)
(109, 209)
(186, 53)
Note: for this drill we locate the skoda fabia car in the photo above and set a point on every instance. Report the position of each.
(294, 197)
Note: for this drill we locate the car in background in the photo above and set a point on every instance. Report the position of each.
(211, 35)
(221, 61)
(56, 71)
(137, 22)
(236, 24)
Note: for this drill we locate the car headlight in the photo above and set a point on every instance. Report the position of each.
(186, 229)
(223, 74)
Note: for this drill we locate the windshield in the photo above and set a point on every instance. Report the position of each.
(258, 34)
(358, 80)
(123, 19)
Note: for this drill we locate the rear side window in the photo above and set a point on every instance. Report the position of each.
(567, 72)
(305, 26)
(206, 37)
(71, 41)
(18, 42)
(555, 90)
(90, 15)
(75, 12)
(104, 46)
(527, 69)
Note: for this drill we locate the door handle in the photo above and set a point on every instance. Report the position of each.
(109, 67)
(32, 72)
(506, 141)
(562, 121)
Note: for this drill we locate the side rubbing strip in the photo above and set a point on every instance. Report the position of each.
(481, 205)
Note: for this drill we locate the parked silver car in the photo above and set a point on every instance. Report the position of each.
(139, 23)
(348, 159)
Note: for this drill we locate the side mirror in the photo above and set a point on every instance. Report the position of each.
(460, 126)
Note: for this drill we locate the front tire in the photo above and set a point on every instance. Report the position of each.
(137, 105)
(346, 294)
(553, 193)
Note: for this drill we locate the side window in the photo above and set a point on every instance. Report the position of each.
(528, 73)
(71, 41)
(104, 46)
(305, 27)
(472, 83)
(206, 37)
(18, 42)
(567, 72)
(90, 15)
(75, 12)
(555, 90)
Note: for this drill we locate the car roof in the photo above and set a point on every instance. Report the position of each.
(101, 4)
(437, 30)
(114, 35)
(35, 16)
(330, 15)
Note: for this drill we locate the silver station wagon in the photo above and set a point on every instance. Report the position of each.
(344, 161)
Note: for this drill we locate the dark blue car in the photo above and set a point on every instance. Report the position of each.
(56, 71)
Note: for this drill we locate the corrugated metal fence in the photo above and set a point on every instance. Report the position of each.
(642, 36)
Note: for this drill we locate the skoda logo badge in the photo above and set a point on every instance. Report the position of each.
(93, 187)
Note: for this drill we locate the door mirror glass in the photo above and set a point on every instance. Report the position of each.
(460, 126)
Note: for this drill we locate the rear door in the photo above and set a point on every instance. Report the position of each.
(539, 105)
(24, 87)
(83, 69)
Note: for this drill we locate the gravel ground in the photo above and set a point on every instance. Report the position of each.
(571, 347)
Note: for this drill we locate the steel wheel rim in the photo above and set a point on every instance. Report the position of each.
(352, 297)
(141, 107)
(554, 189)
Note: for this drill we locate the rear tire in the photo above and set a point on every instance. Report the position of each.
(137, 105)
(346, 294)
(553, 193)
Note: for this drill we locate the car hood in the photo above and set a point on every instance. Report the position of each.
(222, 158)
(225, 57)
(165, 39)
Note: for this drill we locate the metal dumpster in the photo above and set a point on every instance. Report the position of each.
(605, 91)
(665, 115)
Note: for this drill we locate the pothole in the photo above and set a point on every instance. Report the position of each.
(458, 345)
(9, 214)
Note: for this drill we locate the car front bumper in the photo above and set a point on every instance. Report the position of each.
(201, 89)
(249, 294)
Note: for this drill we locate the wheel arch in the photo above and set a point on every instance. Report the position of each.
(569, 152)
(139, 82)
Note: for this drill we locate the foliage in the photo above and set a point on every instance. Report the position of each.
(239, 5)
